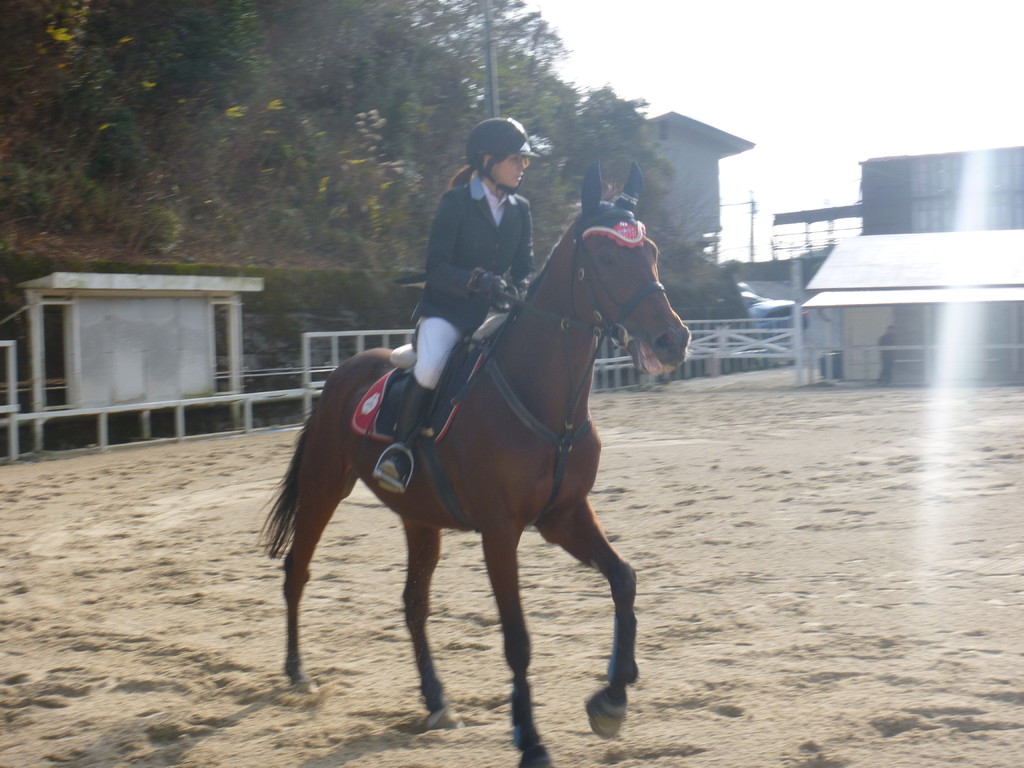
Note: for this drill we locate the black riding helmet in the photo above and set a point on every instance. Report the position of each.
(498, 137)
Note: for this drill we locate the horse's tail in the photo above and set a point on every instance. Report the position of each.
(279, 527)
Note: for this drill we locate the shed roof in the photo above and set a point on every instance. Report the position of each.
(929, 260)
(119, 282)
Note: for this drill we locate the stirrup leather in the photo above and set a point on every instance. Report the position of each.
(387, 472)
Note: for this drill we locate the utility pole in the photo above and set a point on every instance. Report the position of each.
(753, 213)
(796, 282)
(491, 89)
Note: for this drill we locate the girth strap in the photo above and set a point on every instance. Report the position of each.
(563, 443)
(428, 450)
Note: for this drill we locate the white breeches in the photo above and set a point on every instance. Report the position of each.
(434, 341)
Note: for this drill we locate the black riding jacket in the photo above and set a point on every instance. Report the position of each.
(463, 237)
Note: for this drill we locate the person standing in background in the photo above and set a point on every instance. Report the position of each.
(887, 339)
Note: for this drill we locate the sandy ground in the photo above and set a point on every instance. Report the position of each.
(829, 577)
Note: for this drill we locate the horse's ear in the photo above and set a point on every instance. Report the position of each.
(593, 188)
(630, 195)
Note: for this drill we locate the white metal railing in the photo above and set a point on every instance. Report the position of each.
(724, 341)
(323, 351)
(9, 406)
(712, 342)
(244, 401)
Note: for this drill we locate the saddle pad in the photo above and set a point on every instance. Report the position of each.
(364, 417)
(377, 411)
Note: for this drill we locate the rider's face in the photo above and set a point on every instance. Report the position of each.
(509, 172)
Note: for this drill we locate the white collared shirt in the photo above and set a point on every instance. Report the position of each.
(496, 204)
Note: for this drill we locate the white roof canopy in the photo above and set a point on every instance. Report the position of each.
(914, 296)
(992, 258)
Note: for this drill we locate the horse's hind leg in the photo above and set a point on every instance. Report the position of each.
(579, 533)
(424, 550)
(315, 509)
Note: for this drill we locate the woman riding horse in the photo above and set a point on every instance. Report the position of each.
(521, 451)
(482, 229)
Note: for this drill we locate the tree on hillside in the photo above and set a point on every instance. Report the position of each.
(282, 131)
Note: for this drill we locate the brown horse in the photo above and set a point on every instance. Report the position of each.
(520, 452)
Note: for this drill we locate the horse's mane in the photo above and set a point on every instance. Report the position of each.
(568, 235)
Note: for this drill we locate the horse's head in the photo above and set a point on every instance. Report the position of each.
(618, 264)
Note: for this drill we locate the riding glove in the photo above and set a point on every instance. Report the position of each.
(488, 284)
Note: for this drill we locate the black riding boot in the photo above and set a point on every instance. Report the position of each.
(395, 466)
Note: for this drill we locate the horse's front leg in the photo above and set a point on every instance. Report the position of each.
(578, 532)
(424, 550)
(503, 569)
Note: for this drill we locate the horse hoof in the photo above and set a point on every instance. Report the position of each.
(536, 757)
(605, 715)
(444, 719)
(301, 682)
(305, 685)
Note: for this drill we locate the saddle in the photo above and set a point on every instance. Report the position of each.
(376, 415)
(377, 412)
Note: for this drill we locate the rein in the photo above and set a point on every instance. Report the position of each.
(600, 328)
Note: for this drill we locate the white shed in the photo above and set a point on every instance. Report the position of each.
(125, 338)
(955, 299)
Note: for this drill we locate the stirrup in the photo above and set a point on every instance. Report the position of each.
(387, 472)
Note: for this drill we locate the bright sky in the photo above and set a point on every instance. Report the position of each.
(818, 86)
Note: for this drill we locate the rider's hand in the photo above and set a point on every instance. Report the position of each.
(488, 284)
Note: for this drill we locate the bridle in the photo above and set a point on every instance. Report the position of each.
(603, 327)
(610, 328)
(599, 327)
